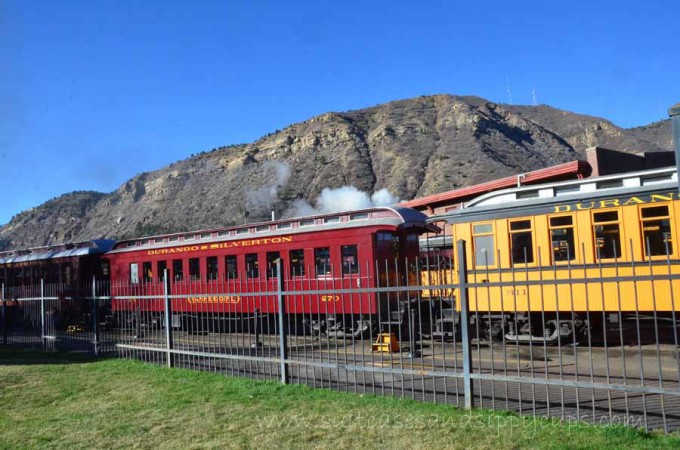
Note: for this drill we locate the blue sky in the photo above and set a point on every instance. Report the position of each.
(93, 92)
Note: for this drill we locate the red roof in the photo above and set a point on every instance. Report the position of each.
(573, 169)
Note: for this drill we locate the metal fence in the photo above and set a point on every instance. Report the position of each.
(620, 367)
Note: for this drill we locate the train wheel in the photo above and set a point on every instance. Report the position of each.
(315, 327)
(492, 331)
(346, 328)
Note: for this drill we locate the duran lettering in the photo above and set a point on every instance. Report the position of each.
(615, 202)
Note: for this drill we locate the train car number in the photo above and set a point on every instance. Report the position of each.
(516, 292)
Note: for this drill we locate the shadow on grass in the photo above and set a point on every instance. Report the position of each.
(33, 356)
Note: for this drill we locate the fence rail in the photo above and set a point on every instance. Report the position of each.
(597, 364)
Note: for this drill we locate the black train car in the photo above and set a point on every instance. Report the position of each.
(62, 274)
(68, 265)
(66, 270)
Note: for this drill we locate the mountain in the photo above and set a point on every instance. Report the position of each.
(412, 148)
(64, 213)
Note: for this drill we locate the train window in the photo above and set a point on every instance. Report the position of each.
(242, 231)
(161, 267)
(147, 273)
(561, 221)
(272, 259)
(521, 242)
(609, 184)
(350, 261)
(658, 179)
(223, 233)
(564, 190)
(177, 270)
(322, 259)
(436, 258)
(526, 194)
(331, 219)
(213, 267)
(134, 273)
(252, 266)
(53, 273)
(656, 231)
(387, 247)
(65, 273)
(206, 235)
(283, 226)
(482, 228)
(104, 268)
(297, 263)
(655, 211)
(194, 269)
(307, 223)
(607, 234)
(483, 241)
(231, 267)
(360, 216)
(562, 238)
(262, 228)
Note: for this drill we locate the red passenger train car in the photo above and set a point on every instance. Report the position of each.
(226, 272)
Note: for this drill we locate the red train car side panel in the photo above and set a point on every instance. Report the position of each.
(228, 270)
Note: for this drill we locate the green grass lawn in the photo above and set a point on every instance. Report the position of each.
(59, 401)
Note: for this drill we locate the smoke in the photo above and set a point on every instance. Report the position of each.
(274, 176)
(260, 201)
(346, 198)
(384, 198)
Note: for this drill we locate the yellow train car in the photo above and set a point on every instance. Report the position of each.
(548, 262)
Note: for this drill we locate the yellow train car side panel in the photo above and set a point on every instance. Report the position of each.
(615, 292)
(585, 293)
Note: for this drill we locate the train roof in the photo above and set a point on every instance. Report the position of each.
(573, 169)
(83, 248)
(544, 198)
(388, 216)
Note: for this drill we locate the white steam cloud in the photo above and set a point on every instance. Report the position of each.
(346, 198)
(273, 175)
(260, 201)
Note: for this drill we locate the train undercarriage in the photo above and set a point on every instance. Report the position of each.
(400, 319)
(436, 320)
(560, 329)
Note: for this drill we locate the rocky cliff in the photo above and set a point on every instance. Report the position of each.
(411, 147)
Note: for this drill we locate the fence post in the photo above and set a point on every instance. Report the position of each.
(464, 325)
(42, 314)
(413, 351)
(95, 317)
(283, 337)
(168, 318)
(4, 314)
(256, 318)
